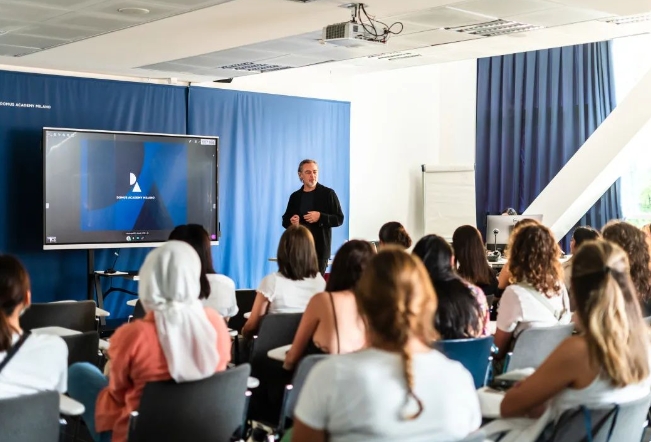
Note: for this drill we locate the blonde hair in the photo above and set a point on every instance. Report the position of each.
(614, 330)
(397, 301)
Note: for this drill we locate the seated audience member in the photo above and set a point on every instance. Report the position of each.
(395, 234)
(505, 273)
(331, 323)
(217, 291)
(177, 339)
(290, 288)
(579, 236)
(537, 296)
(39, 362)
(509, 211)
(608, 363)
(647, 230)
(470, 257)
(635, 244)
(462, 310)
(398, 389)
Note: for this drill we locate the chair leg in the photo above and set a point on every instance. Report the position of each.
(75, 433)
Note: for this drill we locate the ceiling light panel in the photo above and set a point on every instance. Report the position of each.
(637, 18)
(497, 27)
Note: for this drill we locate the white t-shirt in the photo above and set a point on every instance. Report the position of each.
(41, 364)
(519, 309)
(360, 397)
(222, 295)
(287, 296)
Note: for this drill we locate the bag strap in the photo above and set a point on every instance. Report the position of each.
(587, 421)
(334, 314)
(544, 301)
(13, 350)
(613, 423)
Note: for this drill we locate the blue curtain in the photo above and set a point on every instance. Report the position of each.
(74, 103)
(534, 111)
(262, 139)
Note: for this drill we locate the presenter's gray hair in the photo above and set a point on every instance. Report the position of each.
(304, 162)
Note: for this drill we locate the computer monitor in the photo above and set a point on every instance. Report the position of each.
(504, 225)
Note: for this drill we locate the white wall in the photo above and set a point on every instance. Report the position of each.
(400, 119)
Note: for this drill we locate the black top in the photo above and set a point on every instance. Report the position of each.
(307, 203)
(489, 289)
(324, 201)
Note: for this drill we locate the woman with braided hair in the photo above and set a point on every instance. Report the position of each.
(398, 388)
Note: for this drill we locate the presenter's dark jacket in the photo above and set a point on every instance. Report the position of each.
(326, 202)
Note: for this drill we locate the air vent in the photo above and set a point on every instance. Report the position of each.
(392, 56)
(628, 19)
(496, 27)
(255, 67)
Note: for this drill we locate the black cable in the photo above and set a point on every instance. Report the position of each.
(372, 21)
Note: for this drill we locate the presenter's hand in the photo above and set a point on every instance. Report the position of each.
(295, 220)
(312, 217)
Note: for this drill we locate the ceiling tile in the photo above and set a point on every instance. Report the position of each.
(12, 51)
(297, 60)
(442, 18)
(26, 12)
(199, 61)
(28, 41)
(67, 4)
(559, 16)
(156, 12)
(11, 25)
(101, 24)
(187, 4)
(504, 8)
(619, 7)
(60, 32)
(435, 37)
(241, 55)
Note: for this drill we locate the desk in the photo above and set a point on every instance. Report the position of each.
(489, 402)
(97, 275)
(69, 406)
(502, 261)
(247, 315)
(132, 302)
(492, 327)
(252, 382)
(55, 330)
(278, 354)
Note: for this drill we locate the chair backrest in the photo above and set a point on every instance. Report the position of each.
(203, 411)
(78, 316)
(275, 330)
(474, 355)
(138, 310)
(626, 421)
(83, 347)
(534, 345)
(30, 418)
(244, 299)
(291, 394)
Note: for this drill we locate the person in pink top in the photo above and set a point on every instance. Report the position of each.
(177, 339)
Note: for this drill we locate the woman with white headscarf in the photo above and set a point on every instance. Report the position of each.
(177, 339)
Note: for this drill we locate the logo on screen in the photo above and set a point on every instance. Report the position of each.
(133, 181)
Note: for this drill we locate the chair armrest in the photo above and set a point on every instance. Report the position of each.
(70, 407)
(133, 418)
(104, 344)
(507, 361)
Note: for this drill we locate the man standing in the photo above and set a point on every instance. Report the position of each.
(316, 207)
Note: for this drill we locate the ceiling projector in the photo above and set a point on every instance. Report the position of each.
(349, 34)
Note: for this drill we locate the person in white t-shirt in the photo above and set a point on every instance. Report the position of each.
(40, 362)
(217, 291)
(399, 388)
(537, 296)
(606, 364)
(290, 288)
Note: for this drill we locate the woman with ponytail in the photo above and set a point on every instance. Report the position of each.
(398, 388)
(393, 233)
(28, 363)
(608, 363)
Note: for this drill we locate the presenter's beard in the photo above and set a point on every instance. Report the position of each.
(310, 184)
